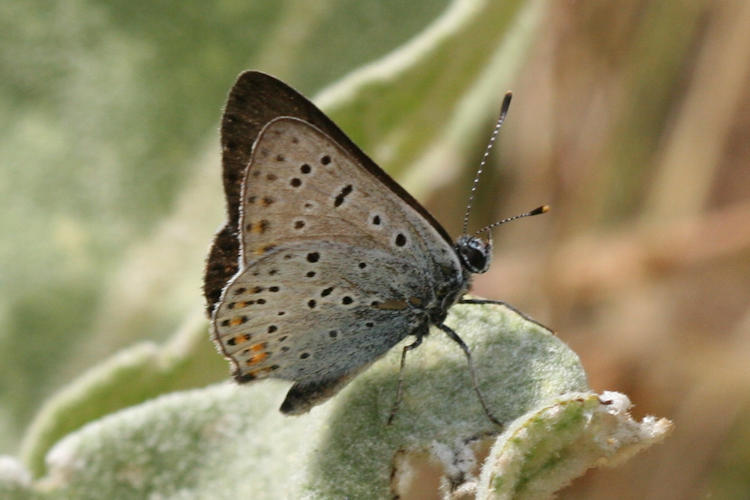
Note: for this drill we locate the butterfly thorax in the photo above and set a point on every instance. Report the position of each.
(444, 300)
(474, 255)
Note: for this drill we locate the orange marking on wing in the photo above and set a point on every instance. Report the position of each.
(257, 358)
(238, 339)
(264, 249)
(392, 305)
(260, 227)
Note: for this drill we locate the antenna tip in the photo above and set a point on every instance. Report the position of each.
(540, 210)
(506, 103)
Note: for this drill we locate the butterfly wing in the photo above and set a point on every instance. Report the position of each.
(255, 100)
(335, 267)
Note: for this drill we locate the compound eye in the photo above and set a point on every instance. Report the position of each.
(474, 254)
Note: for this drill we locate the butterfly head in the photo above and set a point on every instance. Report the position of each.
(475, 253)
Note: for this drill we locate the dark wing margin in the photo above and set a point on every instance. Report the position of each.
(302, 396)
(255, 99)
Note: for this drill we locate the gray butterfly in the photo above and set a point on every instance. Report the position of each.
(325, 262)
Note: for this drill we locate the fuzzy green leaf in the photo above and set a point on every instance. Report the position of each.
(542, 451)
(227, 440)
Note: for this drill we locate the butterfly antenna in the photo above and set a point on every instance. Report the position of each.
(498, 124)
(538, 210)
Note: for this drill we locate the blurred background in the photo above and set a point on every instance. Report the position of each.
(630, 119)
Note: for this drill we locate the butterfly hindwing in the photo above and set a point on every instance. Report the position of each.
(292, 321)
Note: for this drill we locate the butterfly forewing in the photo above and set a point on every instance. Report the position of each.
(255, 100)
(300, 185)
(318, 234)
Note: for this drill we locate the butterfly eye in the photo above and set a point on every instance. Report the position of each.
(474, 253)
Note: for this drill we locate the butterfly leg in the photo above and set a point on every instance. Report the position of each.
(399, 388)
(454, 336)
(501, 303)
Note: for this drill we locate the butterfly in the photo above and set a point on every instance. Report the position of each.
(325, 262)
